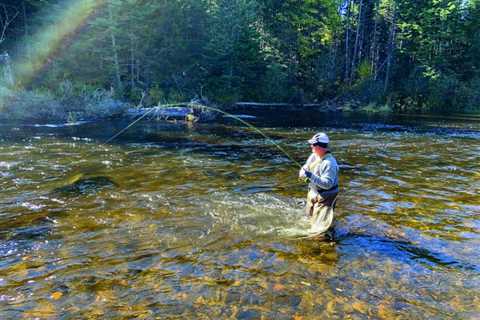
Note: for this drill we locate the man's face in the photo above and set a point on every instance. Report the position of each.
(319, 151)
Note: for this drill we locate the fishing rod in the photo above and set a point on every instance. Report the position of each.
(200, 106)
(138, 120)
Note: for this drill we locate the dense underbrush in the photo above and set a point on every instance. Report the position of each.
(45, 106)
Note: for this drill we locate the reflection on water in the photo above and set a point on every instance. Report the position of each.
(206, 222)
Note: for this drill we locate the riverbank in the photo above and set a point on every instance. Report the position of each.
(43, 106)
(68, 107)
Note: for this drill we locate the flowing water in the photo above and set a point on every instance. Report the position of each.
(171, 221)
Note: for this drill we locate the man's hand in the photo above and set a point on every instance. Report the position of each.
(308, 174)
(301, 174)
(304, 173)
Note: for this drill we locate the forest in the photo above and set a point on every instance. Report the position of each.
(400, 55)
(240, 159)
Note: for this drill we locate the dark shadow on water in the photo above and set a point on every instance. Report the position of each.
(88, 185)
(147, 131)
(403, 250)
(40, 230)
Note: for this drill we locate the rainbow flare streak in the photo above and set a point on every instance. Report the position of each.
(47, 42)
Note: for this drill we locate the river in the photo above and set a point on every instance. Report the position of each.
(171, 221)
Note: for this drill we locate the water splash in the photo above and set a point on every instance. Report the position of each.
(259, 214)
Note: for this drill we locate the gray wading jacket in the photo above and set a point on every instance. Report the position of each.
(325, 174)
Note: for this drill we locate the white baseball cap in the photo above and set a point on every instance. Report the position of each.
(319, 138)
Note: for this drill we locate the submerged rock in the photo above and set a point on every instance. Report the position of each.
(86, 185)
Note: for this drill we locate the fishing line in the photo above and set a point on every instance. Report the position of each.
(196, 105)
(127, 127)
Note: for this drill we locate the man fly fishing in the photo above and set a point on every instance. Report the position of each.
(321, 171)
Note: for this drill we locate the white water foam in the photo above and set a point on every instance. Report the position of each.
(259, 213)
(8, 165)
(60, 125)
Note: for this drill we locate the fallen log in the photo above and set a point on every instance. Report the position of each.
(186, 113)
(276, 104)
(170, 112)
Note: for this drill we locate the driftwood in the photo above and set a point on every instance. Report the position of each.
(273, 104)
(186, 112)
(171, 112)
(201, 111)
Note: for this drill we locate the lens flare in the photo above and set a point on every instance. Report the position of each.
(46, 43)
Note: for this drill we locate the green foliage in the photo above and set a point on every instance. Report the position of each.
(30, 105)
(368, 91)
(176, 96)
(101, 103)
(467, 98)
(375, 108)
(443, 92)
(364, 70)
(156, 96)
(275, 83)
(420, 55)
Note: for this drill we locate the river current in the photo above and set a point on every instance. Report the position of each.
(176, 221)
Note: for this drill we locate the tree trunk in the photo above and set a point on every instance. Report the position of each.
(362, 36)
(391, 50)
(7, 70)
(5, 20)
(116, 64)
(373, 46)
(132, 62)
(357, 38)
(26, 31)
(347, 41)
(332, 75)
(137, 74)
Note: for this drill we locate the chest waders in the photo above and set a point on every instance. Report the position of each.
(320, 207)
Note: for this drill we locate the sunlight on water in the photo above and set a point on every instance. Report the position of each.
(258, 214)
(209, 222)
